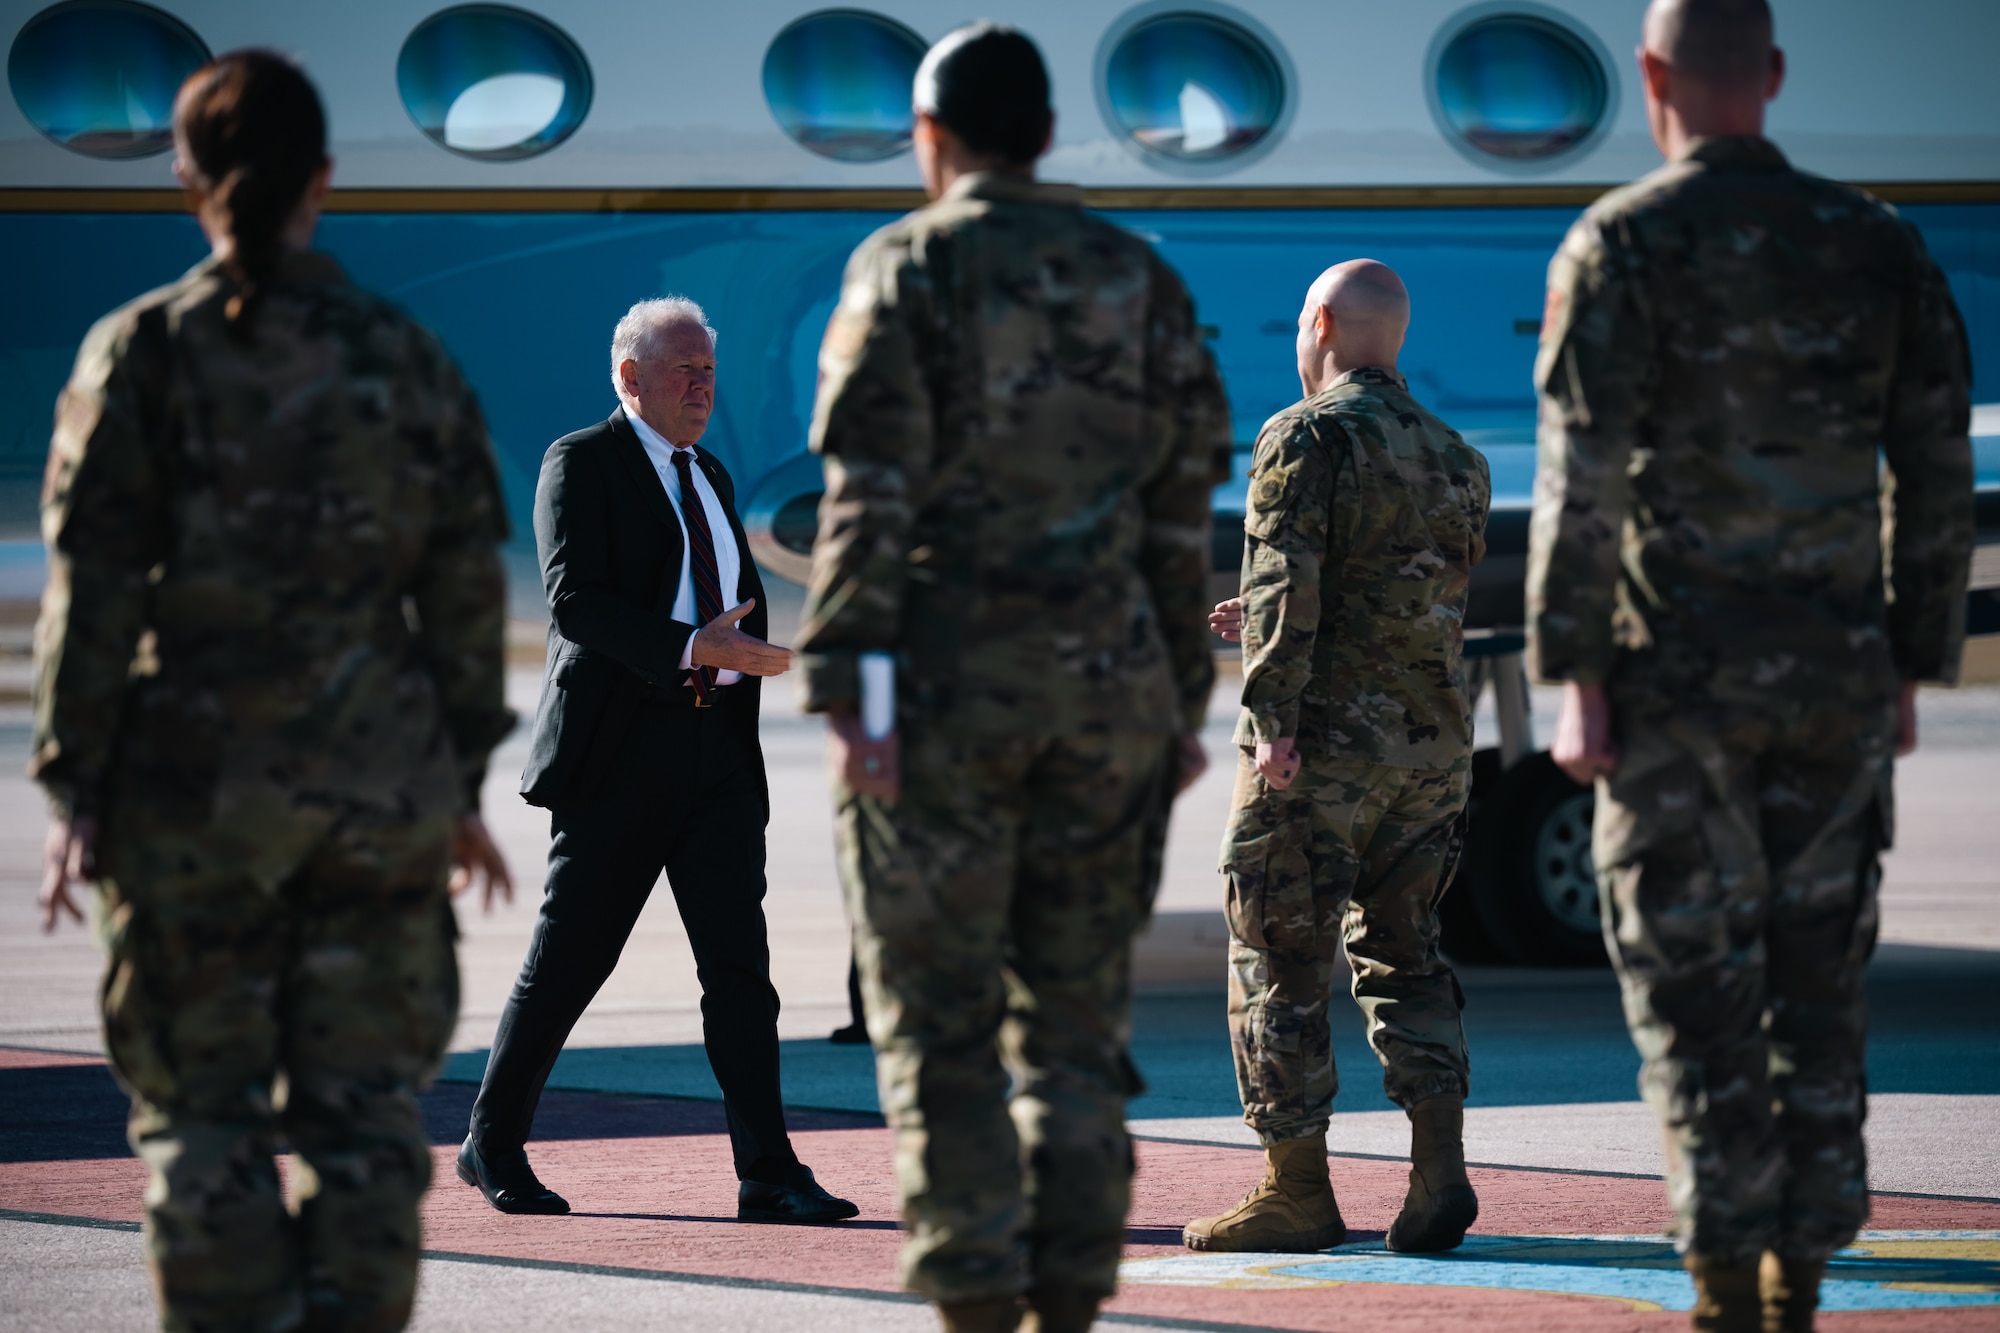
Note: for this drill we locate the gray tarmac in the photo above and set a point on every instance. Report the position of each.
(102, 1288)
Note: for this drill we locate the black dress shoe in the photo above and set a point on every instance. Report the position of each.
(508, 1182)
(854, 1034)
(799, 1200)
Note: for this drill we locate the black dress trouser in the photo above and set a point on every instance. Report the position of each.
(684, 792)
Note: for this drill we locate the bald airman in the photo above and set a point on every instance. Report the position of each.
(1366, 514)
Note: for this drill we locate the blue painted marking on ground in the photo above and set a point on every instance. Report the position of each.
(1668, 1289)
(1665, 1288)
(1876, 1275)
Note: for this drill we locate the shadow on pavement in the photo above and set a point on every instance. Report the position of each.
(1537, 1038)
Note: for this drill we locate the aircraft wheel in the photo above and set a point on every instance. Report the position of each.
(1536, 893)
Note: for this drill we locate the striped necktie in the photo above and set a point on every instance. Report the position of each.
(701, 565)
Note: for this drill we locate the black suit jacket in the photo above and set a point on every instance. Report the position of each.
(610, 546)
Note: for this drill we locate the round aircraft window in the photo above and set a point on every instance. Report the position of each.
(839, 83)
(1519, 88)
(782, 517)
(1192, 89)
(493, 82)
(99, 76)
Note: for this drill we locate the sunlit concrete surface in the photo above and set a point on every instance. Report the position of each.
(74, 1278)
(103, 1289)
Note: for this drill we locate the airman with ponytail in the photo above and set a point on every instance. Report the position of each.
(268, 675)
(252, 154)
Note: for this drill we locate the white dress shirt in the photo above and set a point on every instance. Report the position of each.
(728, 559)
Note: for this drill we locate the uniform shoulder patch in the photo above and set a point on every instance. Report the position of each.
(1291, 455)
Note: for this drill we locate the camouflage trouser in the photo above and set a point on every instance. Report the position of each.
(994, 908)
(1737, 861)
(1355, 853)
(243, 1021)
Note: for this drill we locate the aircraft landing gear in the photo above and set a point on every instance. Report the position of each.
(1526, 889)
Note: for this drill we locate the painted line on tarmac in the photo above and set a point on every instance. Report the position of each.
(657, 1275)
(1544, 1170)
(871, 1119)
(67, 1220)
(662, 1275)
(1940, 1198)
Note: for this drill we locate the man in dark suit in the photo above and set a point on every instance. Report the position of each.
(645, 753)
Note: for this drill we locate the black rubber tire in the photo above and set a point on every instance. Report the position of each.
(1463, 936)
(1533, 891)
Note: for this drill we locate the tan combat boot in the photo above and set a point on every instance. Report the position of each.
(1726, 1299)
(1292, 1211)
(1440, 1204)
(1790, 1292)
(1057, 1308)
(996, 1316)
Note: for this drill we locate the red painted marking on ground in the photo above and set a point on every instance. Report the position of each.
(667, 1204)
(1177, 1182)
(1891, 1213)
(1388, 1309)
(104, 1187)
(22, 1057)
(1180, 1181)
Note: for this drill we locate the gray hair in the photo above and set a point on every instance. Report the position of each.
(639, 333)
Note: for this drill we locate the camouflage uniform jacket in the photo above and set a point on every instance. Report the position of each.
(1021, 428)
(1366, 515)
(1730, 347)
(274, 590)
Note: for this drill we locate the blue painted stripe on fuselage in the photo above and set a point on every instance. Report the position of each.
(526, 303)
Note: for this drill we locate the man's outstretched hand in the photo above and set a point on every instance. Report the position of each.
(1227, 619)
(69, 856)
(475, 857)
(1583, 747)
(720, 644)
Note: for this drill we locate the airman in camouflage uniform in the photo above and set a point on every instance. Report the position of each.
(1021, 428)
(1366, 514)
(1727, 575)
(269, 666)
